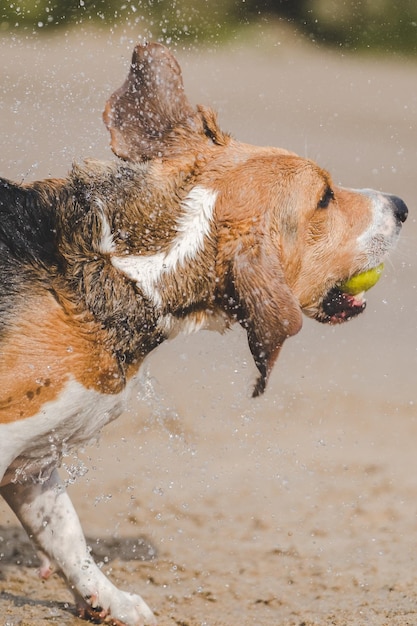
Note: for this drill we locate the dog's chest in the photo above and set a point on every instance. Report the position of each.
(33, 446)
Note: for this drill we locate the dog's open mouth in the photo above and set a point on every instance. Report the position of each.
(346, 299)
(338, 306)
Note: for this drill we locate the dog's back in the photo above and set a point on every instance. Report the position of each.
(28, 250)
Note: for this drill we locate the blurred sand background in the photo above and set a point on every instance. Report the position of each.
(296, 509)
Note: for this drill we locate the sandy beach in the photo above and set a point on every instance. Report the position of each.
(295, 509)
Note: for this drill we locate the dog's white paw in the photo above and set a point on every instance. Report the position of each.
(124, 609)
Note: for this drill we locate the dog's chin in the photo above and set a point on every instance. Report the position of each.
(337, 307)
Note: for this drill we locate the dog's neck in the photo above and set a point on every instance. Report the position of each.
(137, 260)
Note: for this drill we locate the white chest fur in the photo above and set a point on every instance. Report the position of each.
(32, 447)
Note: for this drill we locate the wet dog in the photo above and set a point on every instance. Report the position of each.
(187, 229)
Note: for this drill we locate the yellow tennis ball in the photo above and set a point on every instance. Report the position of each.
(363, 281)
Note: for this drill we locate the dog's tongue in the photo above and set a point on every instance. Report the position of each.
(340, 306)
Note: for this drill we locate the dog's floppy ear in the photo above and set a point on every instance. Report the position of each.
(142, 115)
(262, 302)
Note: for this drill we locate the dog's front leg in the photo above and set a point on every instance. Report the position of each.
(48, 516)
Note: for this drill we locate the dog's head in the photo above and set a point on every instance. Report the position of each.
(286, 237)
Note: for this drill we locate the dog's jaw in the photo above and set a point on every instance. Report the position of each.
(334, 305)
(338, 307)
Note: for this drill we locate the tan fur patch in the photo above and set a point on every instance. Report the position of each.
(44, 349)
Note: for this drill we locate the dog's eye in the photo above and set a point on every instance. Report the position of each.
(326, 198)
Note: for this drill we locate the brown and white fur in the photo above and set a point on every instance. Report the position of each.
(188, 229)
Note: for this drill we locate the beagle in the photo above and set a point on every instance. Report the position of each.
(188, 228)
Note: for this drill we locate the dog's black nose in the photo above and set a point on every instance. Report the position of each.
(400, 208)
